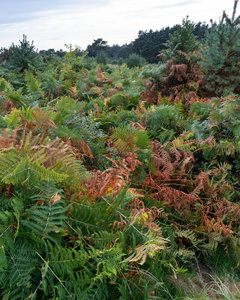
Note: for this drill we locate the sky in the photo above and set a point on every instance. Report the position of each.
(54, 23)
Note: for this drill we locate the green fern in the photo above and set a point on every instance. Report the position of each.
(17, 281)
(33, 86)
(39, 158)
(46, 221)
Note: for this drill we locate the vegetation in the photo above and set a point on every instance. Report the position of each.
(220, 61)
(121, 182)
(147, 45)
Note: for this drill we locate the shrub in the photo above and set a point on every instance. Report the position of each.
(22, 55)
(135, 60)
(120, 61)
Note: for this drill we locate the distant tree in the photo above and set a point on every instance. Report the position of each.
(125, 51)
(115, 51)
(51, 51)
(148, 44)
(200, 30)
(60, 53)
(97, 46)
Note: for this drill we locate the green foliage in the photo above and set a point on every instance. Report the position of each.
(106, 192)
(221, 56)
(23, 55)
(135, 60)
(182, 40)
(224, 119)
(201, 110)
(97, 46)
(40, 158)
(120, 61)
(101, 57)
(73, 57)
(163, 117)
(33, 87)
(115, 119)
(124, 101)
(4, 85)
(126, 138)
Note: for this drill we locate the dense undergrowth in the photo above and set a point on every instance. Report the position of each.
(119, 183)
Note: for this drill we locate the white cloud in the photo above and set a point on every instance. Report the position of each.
(115, 21)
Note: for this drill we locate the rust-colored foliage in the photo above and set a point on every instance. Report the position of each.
(9, 105)
(6, 140)
(176, 187)
(112, 179)
(101, 78)
(6, 104)
(41, 121)
(80, 149)
(8, 191)
(146, 216)
(182, 83)
(151, 95)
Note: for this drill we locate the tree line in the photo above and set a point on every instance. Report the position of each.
(148, 44)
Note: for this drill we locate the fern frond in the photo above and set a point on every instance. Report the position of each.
(214, 240)
(148, 249)
(38, 157)
(124, 138)
(21, 264)
(189, 235)
(46, 221)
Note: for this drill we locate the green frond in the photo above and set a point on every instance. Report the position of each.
(6, 235)
(48, 175)
(189, 235)
(184, 142)
(3, 258)
(65, 132)
(165, 135)
(46, 221)
(225, 147)
(21, 264)
(124, 138)
(5, 85)
(163, 117)
(214, 240)
(90, 218)
(77, 274)
(104, 239)
(39, 158)
(16, 116)
(33, 86)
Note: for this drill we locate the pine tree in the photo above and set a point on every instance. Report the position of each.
(221, 55)
(22, 55)
(182, 40)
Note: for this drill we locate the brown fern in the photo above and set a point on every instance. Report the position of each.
(100, 77)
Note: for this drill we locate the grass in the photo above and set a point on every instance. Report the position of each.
(215, 278)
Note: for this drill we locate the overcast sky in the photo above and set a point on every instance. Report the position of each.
(53, 23)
